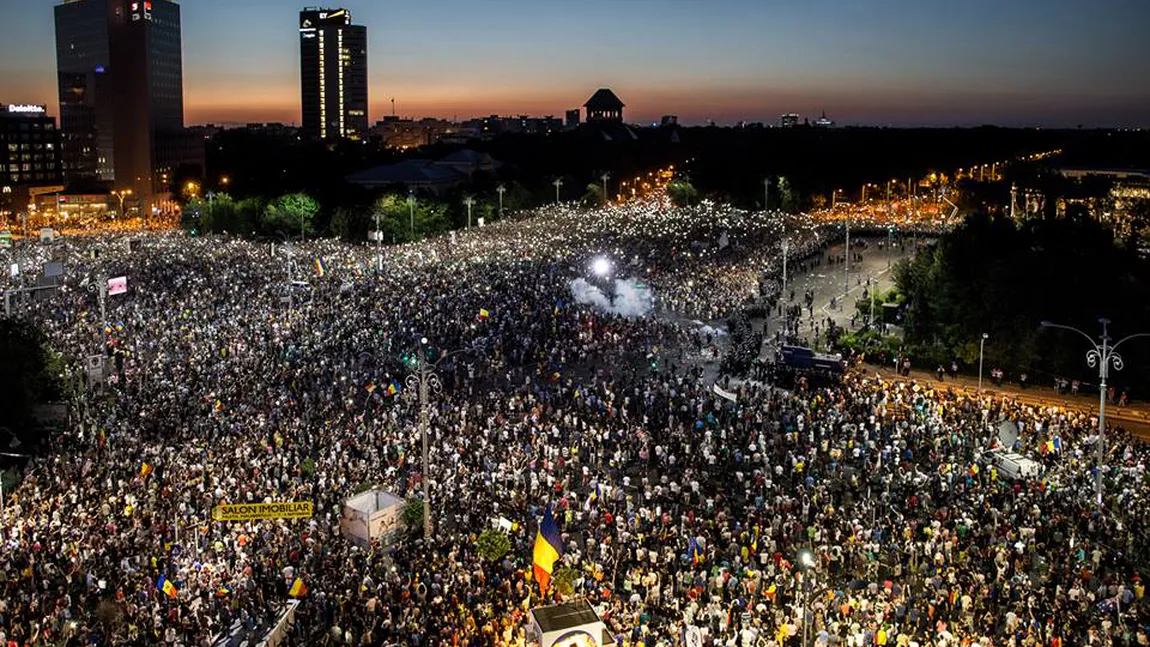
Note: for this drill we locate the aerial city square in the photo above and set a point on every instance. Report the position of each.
(644, 323)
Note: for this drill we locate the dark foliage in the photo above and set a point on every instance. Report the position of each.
(992, 276)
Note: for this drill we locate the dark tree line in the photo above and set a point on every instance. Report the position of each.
(30, 375)
(993, 276)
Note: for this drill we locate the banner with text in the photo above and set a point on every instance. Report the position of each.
(255, 511)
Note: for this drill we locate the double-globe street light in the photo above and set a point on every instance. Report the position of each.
(1103, 356)
(419, 384)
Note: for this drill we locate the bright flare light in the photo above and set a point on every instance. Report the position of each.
(601, 266)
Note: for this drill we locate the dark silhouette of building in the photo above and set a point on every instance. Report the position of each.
(571, 119)
(604, 106)
(120, 72)
(333, 74)
(29, 149)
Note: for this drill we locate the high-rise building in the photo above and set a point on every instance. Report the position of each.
(789, 120)
(571, 120)
(86, 95)
(29, 146)
(120, 68)
(333, 74)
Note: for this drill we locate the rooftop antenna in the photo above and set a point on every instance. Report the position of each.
(393, 106)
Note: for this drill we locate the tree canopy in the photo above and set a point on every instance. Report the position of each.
(30, 374)
(993, 276)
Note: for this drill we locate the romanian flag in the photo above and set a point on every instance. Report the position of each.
(484, 315)
(167, 587)
(370, 388)
(1057, 444)
(320, 268)
(694, 550)
(392, 388)
(224, 591)
(145, 470)
(359, 269)
(219, 406)
(298, 588)
(548, 550)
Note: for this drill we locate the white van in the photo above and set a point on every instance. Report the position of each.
(1015, 466)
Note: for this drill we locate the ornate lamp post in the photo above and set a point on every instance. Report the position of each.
(419, 385)
(1103, 356)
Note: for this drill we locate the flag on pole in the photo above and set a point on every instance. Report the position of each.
(145, 470)
(370, 388)
(392, 388)
(167, 587)
(298, 588)
(548, 550)
(484, 315)
(694, 550)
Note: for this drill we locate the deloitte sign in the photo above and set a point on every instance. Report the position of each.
(26, 109)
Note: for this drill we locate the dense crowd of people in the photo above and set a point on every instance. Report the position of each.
(862, 512)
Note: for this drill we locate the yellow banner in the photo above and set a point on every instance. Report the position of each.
(253, 511)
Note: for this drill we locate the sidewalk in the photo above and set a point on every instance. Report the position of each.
(1134, 417)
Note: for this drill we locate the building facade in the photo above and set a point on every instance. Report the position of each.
(333, 74)
(29, 147)
(120, 69)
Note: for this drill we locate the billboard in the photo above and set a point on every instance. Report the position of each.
(118, 285)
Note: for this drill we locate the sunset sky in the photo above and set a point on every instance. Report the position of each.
(1012, 62)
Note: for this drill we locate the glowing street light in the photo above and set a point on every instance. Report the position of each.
(558, 183)
(601, 266)
(469, 202)
(121, 194)
(500, 190)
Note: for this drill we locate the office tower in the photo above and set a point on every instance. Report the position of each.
(86, 95)
(333, 74)
(29, 146)
(120, 69)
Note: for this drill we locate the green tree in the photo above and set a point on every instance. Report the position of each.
(564, 581)
(492, 545)
(593, 196)
(30, 374)
(293, 212)
(413, 514)
(682, 193)
(788, 198)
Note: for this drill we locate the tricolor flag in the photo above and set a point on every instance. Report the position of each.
(359, 269)
(548, 550)
(320, 268)
(145, 470)
(224, 591)
(392, 388)
(755, 541)
(484, 315)
(167, 587)
(298, 588)
(694, 550)
(1058, 444)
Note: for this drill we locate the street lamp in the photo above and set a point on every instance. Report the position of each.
(783, 296)
(604, 177)
(981, 344)
(411, 212)
(835, 198)
(766, 194)
(500, 190)
(807, 564)
(421, 382)
(1103, 356)
(121, 194)
(469, 202)
(558, 183)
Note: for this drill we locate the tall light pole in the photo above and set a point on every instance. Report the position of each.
(121, 194)
(500, 190)
(766, 194)
(422, 382)
(865, 185)
(378, 244)
(981, 345)
(834, 199)
(783, 297)
(411, 212)
(847, 267)
(558, 183)
(605, 177)
(469, 202)
(1103, 356)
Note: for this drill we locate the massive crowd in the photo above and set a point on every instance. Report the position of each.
(246, 372)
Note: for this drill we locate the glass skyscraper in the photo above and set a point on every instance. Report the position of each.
(333, 74)
(120, 69)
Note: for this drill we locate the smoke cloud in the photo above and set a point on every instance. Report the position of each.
(632, 299)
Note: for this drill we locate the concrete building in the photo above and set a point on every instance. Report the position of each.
(29, 147)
